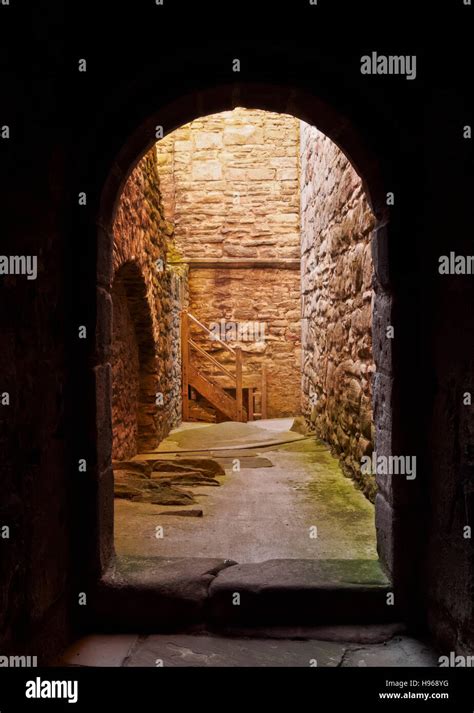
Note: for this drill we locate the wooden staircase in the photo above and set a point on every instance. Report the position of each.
(246, 388)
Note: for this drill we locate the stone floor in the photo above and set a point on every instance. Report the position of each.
(368, 646)
(326, 593)
(267, 510)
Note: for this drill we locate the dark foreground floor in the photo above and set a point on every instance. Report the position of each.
(364, 646)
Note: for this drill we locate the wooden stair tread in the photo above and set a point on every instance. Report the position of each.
(219, 398)
(212, 386)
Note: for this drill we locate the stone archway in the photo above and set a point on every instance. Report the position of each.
(134, 370)
(340, 130)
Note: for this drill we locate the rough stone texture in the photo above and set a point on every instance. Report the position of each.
(305, 649)
(259, 512)
(35, 562)
(99, 650)
(450, 561)
(146, 298)
(161, 482)
(230, 185)
(141, 489)
(301, 591)
(349, 633)
(126, 374)
(199, 651)
(395, 140)
(204, 467)
(401, 651)
(259, 295)
(147, 592)
(165, 592)
(336, 226)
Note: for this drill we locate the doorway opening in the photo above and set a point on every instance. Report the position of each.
(335, 244)
(242, 258)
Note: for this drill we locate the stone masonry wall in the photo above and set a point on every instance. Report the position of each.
(336, 225)
(230, 185)
(126, 374)
(146, 304)
(270, 296)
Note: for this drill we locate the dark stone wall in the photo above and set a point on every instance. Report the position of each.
(448, 327)
(125, 361)
(146, 391)
(73, 132)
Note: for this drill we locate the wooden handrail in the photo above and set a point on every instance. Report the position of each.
(213, 392)
(185, 366)
(263, 404)
(238, 384)
(208, 331)
(211, 359)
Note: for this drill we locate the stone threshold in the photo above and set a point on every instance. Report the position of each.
(173, 594)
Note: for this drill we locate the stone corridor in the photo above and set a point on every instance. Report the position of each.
(238, 218)
(236, 452)
(297, 194)
(285, 497)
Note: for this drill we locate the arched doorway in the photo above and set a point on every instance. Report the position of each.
(342, 132)
(134, 372)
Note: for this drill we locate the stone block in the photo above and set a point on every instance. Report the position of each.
(103, 330)
(208, 139)
(246, 134)
(206, 170)
(290, 591)
(103, 390)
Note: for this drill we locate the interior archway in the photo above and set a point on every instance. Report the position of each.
(340, 130)
(133, 363)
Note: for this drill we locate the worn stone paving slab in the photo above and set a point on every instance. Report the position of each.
(198, 651)
(167, 571)
(99, 650)
(400, 651)
(301, 574)
(346, 633)
(155, 591)
(300, 591)
(208, 650)
(212, 651)
(225, 435)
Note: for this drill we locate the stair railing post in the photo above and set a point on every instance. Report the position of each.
(185, 364)
(263, 407)
(238, 383)
(251, 402)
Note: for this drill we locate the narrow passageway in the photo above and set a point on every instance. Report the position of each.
(283, 495)
(242, 372)
(199, 249)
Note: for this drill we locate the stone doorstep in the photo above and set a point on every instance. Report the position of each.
(301, 592)
(361, 646)
(168, 594)
(348, 633)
